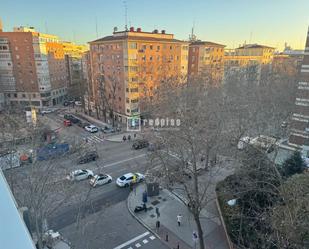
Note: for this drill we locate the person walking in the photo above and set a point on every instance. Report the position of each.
(124, 138)
(129, 137)
(179, 218)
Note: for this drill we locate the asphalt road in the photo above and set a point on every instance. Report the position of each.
(94, 218)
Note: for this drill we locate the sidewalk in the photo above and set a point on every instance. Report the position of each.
(119, 137)
(169, 207)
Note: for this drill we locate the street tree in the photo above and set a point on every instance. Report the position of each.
(188, 146)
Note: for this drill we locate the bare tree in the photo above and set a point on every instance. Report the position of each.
(197, 106)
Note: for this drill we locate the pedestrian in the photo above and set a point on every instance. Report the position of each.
(134, 135)
(124, 138)
(129, 137)
(179, 218)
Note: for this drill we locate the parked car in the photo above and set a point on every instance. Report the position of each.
(100, 179)
(91, 128)
(140, 144)
(78, 103)
(80, 174)
(88, 157)
(243, 142)
(129, 178)
(66, 103)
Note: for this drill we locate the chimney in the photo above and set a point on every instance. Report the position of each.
(155, 31)
(131, 29)
(163, 31)
(139, 30)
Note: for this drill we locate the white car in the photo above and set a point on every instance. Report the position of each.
(78, 103)
(100, 179)
(80, 174)
(129, 178)
(46, 111)
(91, 128)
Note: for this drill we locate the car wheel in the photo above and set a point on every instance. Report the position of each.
(89, 176)
(109, 181)
(126, 185)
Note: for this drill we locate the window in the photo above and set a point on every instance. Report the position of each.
(15, 95)
(150, 58)
(24, 95)
(171, 47)
(128, 110)
(158, 48)
(9, 95)
(150, 47)
(119, 98)
(34, 95)
(133, 45)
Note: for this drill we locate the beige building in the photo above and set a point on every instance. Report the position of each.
(257, 58)
(129, 65)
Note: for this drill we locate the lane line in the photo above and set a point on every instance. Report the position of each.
(132, 240)
(122, 161)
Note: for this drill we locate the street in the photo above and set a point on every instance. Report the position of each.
(88, 212)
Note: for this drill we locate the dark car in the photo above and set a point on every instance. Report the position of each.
(88, 157)
(108, 129)
(73, 119)
(140, 144)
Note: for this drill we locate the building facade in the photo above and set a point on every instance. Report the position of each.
(250, 59)
(31, 68)
(129, 65)
(206, 58)
(299, 132)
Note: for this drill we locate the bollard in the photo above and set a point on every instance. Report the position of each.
(166, 237)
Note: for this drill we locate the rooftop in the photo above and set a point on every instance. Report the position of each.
(138, 35)
(207, 43)
(254, 46)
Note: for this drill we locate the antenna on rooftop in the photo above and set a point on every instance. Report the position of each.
(192, 37)
(125, 15)
(46, 29)
(96, 27)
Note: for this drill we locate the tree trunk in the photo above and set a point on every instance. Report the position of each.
(199, 231)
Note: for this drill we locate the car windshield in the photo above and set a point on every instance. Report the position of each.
(122, 178)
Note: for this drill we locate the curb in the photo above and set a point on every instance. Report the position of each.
(140, 220)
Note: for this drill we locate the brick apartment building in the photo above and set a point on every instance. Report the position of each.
(299, 132)
(130, 64)
(206, 57)
(33, 68)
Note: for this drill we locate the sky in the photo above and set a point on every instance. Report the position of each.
(229, 22)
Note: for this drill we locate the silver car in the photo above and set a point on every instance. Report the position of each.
(80, 174)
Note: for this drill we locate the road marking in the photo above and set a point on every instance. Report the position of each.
(138, 245)
(145, 241)
(132, 240)
(130, 247)
(152, 237)
(122, 161)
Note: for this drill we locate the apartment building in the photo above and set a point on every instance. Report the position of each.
(130, 64)
(31, 67)
(252, 58)
(206, 58)
(299, 128)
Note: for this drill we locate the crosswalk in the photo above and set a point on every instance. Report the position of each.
(137, 242)
(93, 139)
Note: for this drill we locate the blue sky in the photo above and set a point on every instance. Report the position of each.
(230, 22)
